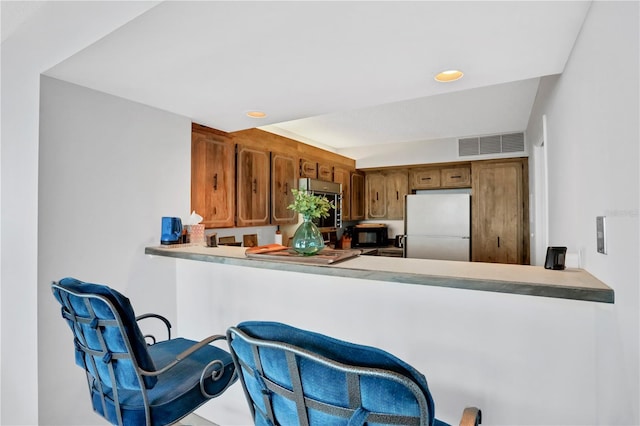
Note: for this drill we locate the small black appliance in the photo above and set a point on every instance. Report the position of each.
(555, 258)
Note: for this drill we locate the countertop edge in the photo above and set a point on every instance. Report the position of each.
(478, 284)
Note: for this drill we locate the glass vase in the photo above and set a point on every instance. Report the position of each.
(307, 240)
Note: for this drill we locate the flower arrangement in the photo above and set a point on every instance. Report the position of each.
(309, 205)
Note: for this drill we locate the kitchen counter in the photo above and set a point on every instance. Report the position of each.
(573, 284)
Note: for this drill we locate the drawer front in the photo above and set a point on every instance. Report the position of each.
(456, 177)
(425, 178)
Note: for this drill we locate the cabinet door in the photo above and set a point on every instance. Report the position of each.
(308, 168)
(425, 178)
(497, 222)
(376, 196)
(343, 177)
(252, 183)
(357, 196)
(283, 179)
(325, 172)
(455, 177)
(397, 186)
(213, 179)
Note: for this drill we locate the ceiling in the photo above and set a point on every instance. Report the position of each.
(336, 74)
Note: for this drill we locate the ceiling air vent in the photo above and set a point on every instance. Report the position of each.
(486, 145)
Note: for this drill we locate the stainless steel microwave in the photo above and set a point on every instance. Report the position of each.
(333, 192)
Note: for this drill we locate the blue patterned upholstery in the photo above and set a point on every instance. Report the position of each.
(130, 382)
(297, 377)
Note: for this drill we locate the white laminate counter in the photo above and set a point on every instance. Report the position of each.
(573, 284)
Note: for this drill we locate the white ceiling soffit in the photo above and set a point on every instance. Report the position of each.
(213, 61)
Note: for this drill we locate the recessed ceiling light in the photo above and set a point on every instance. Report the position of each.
(256, 114)
(449, 75)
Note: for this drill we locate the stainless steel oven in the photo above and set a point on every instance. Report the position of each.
(333, 192)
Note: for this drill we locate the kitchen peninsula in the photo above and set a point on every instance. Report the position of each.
(573, 284)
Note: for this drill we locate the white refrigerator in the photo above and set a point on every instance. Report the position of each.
(438, 226)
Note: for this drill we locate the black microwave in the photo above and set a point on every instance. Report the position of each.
(369, 235)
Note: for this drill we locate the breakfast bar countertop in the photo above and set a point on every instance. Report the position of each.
(575, 284)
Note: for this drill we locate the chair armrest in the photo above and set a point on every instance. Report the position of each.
(181, 356)
(471, 416)
(161, 318)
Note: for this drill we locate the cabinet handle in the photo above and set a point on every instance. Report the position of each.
(425, 178)
(376, 196)
(286, 188)
(215, 211)
(255, 186)
(397, 195)
(498, 242)
(215, 182)
(456, 177)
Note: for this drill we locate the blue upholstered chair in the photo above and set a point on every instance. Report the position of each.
(130, 381)
(296, 377)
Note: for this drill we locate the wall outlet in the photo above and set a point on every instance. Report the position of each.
(601, 234)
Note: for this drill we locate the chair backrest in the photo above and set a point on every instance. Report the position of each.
(293, 376)
(108, 343)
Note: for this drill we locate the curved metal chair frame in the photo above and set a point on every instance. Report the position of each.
(353, 376)
(111, 394)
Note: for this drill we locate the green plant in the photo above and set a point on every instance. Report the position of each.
(313, 206)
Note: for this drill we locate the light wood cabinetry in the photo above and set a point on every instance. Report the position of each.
(213, 177)
(499, 223)
(440, 177)
(284, 177)
(357, 196)
(308, 168)
(343, 177)
(455, 177)
(325, 172)
(252, 185)
(385, 194)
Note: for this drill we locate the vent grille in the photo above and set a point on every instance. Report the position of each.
(496, 144)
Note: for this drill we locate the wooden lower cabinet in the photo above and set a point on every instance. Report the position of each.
(213, 177)
(252, 183)
(499, 223)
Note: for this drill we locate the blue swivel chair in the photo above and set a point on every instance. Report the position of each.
(296, 377)
(132, 381)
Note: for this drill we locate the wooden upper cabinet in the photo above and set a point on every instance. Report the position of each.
(213, 178)
(376, 195)
(397, 186)
(252, 183)
(325, 172)
(425, 178)
(343, 177)
(440, 177)
(308, 168)
(499, 221)
(357, 196)
(452, 177)
(284, 177)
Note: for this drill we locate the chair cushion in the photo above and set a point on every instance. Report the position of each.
(343, 352)
(125, 311)
(177, 392)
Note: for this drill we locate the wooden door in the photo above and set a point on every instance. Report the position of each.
(376, 196)
(325, 172)
(252, 183)
(213, 178)
(283, 180)
(455, 177)
(357, 196)
(497, 212)
(425, 178)
(343, 177)
(397, 186)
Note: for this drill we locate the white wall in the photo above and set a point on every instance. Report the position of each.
(109, 170)
(593, 155)
(55, 31)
